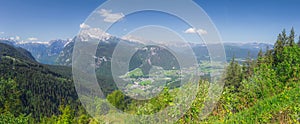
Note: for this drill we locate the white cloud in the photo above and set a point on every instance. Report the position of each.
(1, 33)
(84, 26)
(109, 16)
(32, 39)
(190, 31)
(132, 38)
(194, 30)
(202, 31)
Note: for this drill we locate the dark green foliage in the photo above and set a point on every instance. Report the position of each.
(248, 67)
(10, 97)
(8, 118)
(262, 111)
(269, 94)
(284, 38)
(289, 67)
(117, 99)
(278, 48)
(7, 50)
(265, 90)
(291, 40)
(40, 88)
(233, 75)
(281, 43)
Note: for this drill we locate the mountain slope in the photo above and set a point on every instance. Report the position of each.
(240, 50)
(45, 53)
(7, 50)
(262, 111)
(43, 87)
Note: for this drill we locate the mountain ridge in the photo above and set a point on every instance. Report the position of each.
(38, 84)
(59, 52)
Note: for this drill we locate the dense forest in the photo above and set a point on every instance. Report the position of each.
(265, 90)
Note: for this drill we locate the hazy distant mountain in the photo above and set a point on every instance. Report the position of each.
(239, 50)
(44, 52)
(9, 42)
(143, 57)
(60, 51)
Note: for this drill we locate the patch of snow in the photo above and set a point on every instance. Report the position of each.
(93, 33)
(32, 42)
(68, 41)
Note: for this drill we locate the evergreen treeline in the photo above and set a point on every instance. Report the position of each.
(28, 88)
(254, 88)
(265, 90)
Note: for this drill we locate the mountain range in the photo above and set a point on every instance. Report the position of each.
(44, 52)
(59, 52)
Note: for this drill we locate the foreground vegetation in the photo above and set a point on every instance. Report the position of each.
(266, 90)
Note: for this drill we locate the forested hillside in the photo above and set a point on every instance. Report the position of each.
(265, 90)
(30, 88)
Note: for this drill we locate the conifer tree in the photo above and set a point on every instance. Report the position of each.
(268, 55)
(233, 76)
(248, 67)
(291, 40)
(284, 37)
(9, 97)
(260, 53)
(278, 48)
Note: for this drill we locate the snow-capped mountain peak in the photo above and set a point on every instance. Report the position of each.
(87, 34)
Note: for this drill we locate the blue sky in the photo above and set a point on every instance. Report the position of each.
(236, 20)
